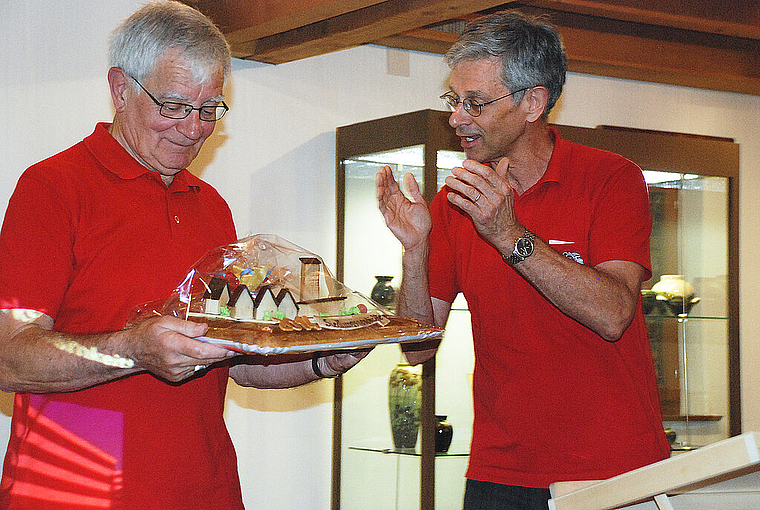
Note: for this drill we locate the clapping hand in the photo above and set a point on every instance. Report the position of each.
(409, 220)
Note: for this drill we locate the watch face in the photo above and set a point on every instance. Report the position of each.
(524, 247)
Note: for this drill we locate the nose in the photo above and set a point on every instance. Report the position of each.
(459, 116)
(191, 126)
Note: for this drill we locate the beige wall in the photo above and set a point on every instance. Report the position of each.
(273, 159)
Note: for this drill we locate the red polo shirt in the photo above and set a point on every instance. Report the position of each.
(553, 400)
(89, 234)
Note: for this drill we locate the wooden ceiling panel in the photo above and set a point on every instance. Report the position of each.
(697, 43)
(244, 20)
(738, 18)
(354, 28)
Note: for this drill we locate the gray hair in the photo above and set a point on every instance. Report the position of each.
(529, 47)
(142, 39)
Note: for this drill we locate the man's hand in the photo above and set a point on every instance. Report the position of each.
(340, 362)
(165, 346)
(485, 194)
(409, 220)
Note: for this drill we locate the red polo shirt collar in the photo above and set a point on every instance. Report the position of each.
(110, 154)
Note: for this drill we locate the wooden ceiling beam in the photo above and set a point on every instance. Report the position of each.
(737, 18)
(696, 43)
(635, 51)
(354, 28)
(728, 68)
(243, 20)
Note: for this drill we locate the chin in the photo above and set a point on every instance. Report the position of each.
(474, 155)
(178, 163)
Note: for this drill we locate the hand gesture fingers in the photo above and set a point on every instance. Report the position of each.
(165, 346)
(341, 362)
(408, 219)
(485, 194)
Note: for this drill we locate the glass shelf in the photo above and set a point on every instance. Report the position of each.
(407, 451)
(692, 417)
(688, 317)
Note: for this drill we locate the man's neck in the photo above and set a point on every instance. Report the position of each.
(529, 161)
(117, 134)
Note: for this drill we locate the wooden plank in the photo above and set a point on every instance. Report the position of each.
(243, 20)
(739, 18)
(355, 28)
(420, 39)
(558, 489)
(686, 471)
(662, 502)
(664, 56)
(632, 51)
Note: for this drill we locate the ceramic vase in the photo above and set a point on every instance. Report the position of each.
(444, 432)
(675, 293)
(404, 400)
(648, 301)
(383, 292)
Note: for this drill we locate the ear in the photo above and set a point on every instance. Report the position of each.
(117, 82)
(536, 100)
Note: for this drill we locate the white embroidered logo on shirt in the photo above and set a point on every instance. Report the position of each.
(573, 255)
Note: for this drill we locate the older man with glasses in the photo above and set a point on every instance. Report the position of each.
(106, 417)
(549, 243)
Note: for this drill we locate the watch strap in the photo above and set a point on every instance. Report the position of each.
(515, 257)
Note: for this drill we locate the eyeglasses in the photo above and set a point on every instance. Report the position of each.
(451, 101)
(172, 110)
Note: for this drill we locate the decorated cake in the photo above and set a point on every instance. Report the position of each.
(266, 295)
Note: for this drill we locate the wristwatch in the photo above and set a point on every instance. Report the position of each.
(523, 248)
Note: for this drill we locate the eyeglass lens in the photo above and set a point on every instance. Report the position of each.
(182, 110)
(468, 104)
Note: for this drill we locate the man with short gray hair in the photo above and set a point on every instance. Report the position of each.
(549, 243)
(107, 417)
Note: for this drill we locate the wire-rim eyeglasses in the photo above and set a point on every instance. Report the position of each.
(451, 100)
(174, 110)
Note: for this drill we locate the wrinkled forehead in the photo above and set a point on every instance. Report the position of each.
(176, 76)
(473, 77)
(177, 61)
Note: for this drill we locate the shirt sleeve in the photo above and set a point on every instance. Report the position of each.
(622, 220)
(36, 255)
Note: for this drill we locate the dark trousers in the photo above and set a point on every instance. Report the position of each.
(493, 496)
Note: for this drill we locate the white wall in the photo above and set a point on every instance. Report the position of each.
(273, 159)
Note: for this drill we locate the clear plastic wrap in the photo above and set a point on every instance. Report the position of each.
(265, 295)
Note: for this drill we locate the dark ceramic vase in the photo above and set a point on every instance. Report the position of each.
(443, 434)
(383, 293)
(648, 301)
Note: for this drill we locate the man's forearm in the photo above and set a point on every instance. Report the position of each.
(414, 292)
(37, 360)
(415, 302)
(278, 375)
(602, 298)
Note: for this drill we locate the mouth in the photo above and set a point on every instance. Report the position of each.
(468, 140)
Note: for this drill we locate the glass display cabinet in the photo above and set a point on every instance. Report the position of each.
(693, 183)
(368, 472)
(692, 300)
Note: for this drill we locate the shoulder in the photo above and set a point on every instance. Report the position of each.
(596, 168)
(591, 156)
(62, 171)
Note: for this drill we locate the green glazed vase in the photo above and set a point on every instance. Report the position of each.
(404, 400)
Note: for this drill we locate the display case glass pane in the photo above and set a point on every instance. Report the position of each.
(374, 474)
(689, 331)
